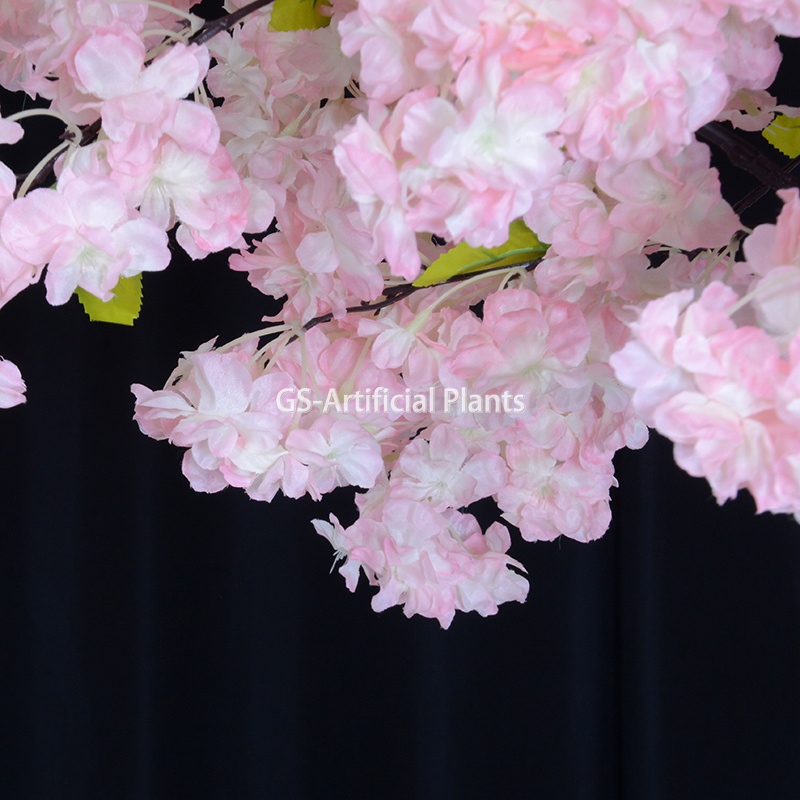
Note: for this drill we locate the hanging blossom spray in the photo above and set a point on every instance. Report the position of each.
(460, 206)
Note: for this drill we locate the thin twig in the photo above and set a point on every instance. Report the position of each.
(88, 135)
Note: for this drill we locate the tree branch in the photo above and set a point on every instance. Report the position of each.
(743, 155)
(396, 293)
(756, 194)
(212, 28)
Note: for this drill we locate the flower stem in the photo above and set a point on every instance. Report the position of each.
(42, 168)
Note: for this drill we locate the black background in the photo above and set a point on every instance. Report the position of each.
(158, 643)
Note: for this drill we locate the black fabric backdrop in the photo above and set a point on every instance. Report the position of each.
(158, 643)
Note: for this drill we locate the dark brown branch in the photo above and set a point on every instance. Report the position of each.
(407, 289)
(394, 294)
(743, 155)
(212, 28)
(756, 194)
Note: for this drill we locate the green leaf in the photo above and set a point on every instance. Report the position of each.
(296, 15)
(522, 245)
(783, 133)
(122, 310)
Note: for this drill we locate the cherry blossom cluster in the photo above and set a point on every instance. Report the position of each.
(577, 116)
(409, 407)
(157, 161)
(718, 373)
(359, 154)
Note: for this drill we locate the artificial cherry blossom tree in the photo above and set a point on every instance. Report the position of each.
(502, 250)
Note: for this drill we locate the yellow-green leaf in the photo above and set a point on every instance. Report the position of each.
(122, 310)
(522, 245)
(783, 133)
(296, 15)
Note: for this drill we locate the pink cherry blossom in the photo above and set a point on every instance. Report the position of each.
(773, 253)
(674, 200)
(431, 564)
(12, 387)
(337, 453)
(85, 233)
(15, 273)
